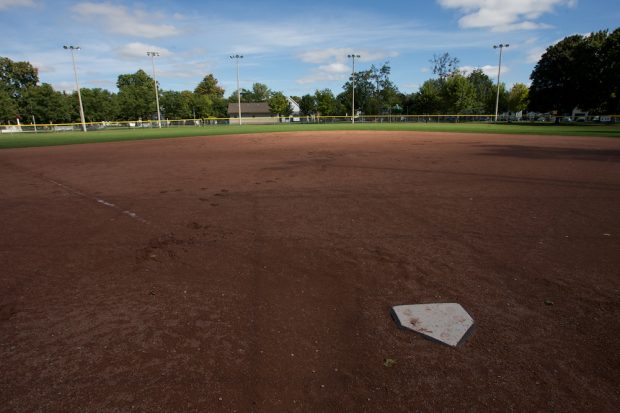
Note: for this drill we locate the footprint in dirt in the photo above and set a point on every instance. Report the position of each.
(194, 225)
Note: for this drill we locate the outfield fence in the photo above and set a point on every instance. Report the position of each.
(315, 119)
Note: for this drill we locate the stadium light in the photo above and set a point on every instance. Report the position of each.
(77, 83)
(353, 56)
(499, 71)
(152, 55)
(237, 58)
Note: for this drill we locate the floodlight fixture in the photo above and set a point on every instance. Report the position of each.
(238, 57)
(353, 57)
(499, 70)
(152, 56)
(77, 83)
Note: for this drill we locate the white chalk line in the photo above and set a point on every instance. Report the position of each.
(131, 214)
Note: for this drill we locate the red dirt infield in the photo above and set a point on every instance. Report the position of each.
(256, 273)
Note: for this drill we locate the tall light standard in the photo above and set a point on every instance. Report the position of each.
(77, 83)
(237, 58)
(152, 55)
(499, 71)
(353, 56)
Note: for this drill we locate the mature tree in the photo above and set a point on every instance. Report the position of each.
(8, 108)
(326, 104)
(365, 91)
(46, 105)
(260, 93)
(518, 97)
(428, 99)
(136, 96)
(459, 95)
(390, 97)
(279, 105)
(203, 106)
(209, 86)
(99, 104)
(444, 65)
(485, 92)
(177, 105)
(15, 77)
(307, 105)
(569, 75)
(610, 77)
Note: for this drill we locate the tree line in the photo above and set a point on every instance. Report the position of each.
(579, 71)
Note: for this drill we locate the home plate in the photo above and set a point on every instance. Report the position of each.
(444, 322)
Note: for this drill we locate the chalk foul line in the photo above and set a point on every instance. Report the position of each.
(74, 191)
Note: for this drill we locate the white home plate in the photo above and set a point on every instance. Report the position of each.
(445, 322)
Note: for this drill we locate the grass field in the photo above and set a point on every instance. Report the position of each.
(22, 140)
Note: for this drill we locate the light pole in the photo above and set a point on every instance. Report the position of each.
(499, 71)
(237, 58)
(353, 56)
(77, 83)
(152, 55)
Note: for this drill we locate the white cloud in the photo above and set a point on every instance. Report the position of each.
(6, 4)
(137, 49)
(324, 55)
(120, 20)
(336, 65)
(535, 54)
(488, 70)
(340, 55)
(502, 15)
(328, 72)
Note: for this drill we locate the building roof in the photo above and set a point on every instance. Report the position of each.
(248, 108)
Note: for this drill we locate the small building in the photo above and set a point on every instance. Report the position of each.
(258, 112)
(251, 113)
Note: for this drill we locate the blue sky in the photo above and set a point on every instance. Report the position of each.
(294, 47)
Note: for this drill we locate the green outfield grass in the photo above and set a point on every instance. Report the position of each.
(22, 140)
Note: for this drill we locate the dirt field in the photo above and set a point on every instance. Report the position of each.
(256, 273)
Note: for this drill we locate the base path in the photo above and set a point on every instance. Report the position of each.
(257, 273)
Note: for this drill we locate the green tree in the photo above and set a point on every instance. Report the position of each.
(365, 91)
(280, 105)
(326, 104)
(428, 98)
(202, 105)
(15, 77)
(136, 96)
(518, 97)
(209, 86)
(260, 93)
(99, 105)
(610, 73)
(176, 105)
(8, 108)
(459, 95)
(46, 104)
(307, 105)
(570, 74)
(485, 92)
